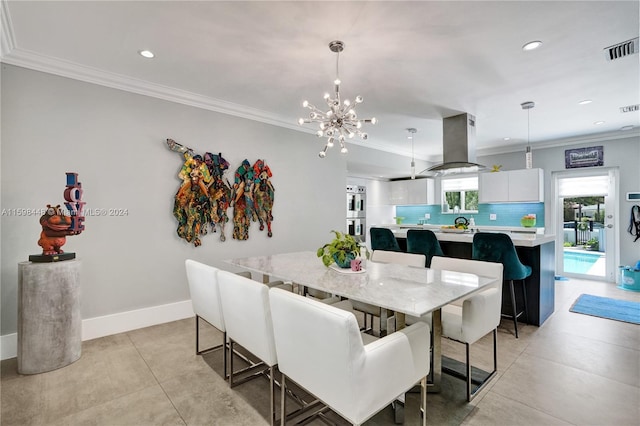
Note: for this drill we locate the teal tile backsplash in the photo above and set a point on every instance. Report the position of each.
(507, 214)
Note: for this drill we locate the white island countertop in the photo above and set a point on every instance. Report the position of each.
(522, 237)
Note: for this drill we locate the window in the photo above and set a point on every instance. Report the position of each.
(461, 193)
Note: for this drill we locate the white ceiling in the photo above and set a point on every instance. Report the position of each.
(413, 62)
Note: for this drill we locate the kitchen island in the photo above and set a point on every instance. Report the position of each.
(534, 249)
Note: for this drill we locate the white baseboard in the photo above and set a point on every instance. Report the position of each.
(9, 346)
(92, 328)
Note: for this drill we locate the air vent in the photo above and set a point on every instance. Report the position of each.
(621, 50)
(630, 108)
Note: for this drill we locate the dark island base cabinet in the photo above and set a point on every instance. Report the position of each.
(540, 285)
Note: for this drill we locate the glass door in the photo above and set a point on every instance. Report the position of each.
(586, 223)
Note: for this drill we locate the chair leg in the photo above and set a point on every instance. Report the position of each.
(471, 395)
(514, 307)
(272, 399)
(466, 346)
(230, 363)
(524, 297)
(224, 353)
(283, 399)
(423, 400)
(197, 335)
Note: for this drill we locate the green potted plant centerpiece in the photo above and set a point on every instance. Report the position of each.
(342, 250)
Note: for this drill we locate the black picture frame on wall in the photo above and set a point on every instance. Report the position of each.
(584, 157)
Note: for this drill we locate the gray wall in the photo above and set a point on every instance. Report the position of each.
(115, 141)
(621, 153)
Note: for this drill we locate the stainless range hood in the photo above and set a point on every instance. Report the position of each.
(459, 146)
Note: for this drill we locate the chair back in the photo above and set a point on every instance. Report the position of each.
(204, 291)
(383, 239)
(480, 312)
(423, 241)
(401, 258)
(247, 315)
(498, 247)
(477, 267)
(319, 346)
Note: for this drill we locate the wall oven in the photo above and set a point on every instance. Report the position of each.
(357, 212)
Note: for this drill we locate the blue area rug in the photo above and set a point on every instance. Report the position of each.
(605, 307)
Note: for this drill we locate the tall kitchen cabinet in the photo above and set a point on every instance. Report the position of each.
(412, 191)
(523, 186)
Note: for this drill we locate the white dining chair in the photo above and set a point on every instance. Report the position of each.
(384, 256)
(320, 348)
(247, 316)
(475, 316)
(205, 300)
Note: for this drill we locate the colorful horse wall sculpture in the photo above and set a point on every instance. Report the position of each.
(205, 195)
(253, 196)
(263, 195)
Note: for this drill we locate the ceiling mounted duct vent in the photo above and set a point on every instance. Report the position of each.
(621, 50)
(630, 108)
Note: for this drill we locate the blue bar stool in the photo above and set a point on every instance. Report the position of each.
(496, 247)
(383, 239)
(423, 241)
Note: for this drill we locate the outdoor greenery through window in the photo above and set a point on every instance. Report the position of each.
(460, 194)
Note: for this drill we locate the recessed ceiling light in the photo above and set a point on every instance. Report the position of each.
(532, 45)
(506, 139)
(584, 102)
(146, 53)
(597, 123)
(626, 128)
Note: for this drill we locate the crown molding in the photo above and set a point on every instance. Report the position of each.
(7, 39)
(35, 61)
(563, 142)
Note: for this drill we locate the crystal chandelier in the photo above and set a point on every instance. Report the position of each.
(340, 120)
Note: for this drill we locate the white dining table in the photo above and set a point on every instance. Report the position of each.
(399, 289)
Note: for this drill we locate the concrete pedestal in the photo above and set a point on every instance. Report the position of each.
(49, 323)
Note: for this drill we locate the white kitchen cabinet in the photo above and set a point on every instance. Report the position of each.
(493, 187)
(414, 191)
(524, 186)
(378, 192)
(399, 192)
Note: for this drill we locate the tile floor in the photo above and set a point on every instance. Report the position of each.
(575, 369)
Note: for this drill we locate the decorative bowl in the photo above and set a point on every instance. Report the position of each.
(528, 222)
(347, 262)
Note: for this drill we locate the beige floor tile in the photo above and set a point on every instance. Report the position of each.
(97, 377)
(171, 354)
(22, 398)
(568, 393)
(204, 398)
(498, 410)
(106, 344)
(147, 407)
(608, 360)
(600, 329)
(156, 334)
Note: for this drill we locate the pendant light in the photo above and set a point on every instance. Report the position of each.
(338, 121)
(528, 155)
(411, 131)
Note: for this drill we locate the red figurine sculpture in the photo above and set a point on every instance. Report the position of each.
(55, 228)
